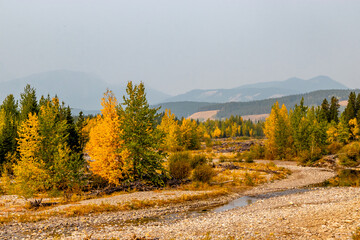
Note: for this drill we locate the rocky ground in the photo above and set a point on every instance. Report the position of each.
(331, 213)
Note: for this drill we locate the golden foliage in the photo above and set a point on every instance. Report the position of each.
(104, 145)
(29, 171)
(171, 129)
(278, 133)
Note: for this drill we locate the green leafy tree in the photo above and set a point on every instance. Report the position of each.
(141, 138)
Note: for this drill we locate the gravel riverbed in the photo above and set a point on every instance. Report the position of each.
(329, 213)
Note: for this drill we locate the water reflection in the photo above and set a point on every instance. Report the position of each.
(344, 178)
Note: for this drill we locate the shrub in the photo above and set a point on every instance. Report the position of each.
(248, 180)
(179, 165)
(307, 157)
(248, 157)
(334, 147)
(203, 173)
(258, 151)
(197, 160)
(349, 155)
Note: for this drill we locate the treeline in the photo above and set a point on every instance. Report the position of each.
(307, 133)
(42, 147)
(187, 134)
(235, 126)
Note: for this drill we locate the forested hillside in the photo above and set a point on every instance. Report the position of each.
(264, 106)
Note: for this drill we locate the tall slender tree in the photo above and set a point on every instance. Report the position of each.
(334, 109)
(141, 138)
(105, 146)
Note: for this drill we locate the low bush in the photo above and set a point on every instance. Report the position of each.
(180, 165)
(349, 155)
(248, 157)
(203, 173)
(197, 160)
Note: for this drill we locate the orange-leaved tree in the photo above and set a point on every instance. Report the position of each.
(105, 146)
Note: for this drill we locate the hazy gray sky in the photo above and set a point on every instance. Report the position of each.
(175, 46)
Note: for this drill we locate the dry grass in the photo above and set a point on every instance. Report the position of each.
(81, 210)
(137, 204)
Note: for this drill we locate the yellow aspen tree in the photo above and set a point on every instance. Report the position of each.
(30, 173)
(171, 129)
(354, 129)
(270, 132)
(332, 133)
(234, 130)
(104, 145)
(217, 133)
(189, 134)
(285, 130)
(278, 133)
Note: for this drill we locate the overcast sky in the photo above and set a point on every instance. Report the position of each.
(176, 46)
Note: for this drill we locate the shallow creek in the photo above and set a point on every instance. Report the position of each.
(343, 178)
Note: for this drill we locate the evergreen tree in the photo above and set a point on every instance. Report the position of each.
(343, 133)
(64, 166)
(9, 121)
(358, 107)
(73, 140)
(28, 102)
(350, 110)
(334, 110)
(299, 126)
(141, 139)
(324, 114)
(79, 125)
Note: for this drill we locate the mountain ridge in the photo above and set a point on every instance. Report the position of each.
(225, 110)
(259, 91)
(77, 89)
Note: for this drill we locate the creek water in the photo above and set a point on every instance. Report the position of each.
(345, 177)
(247, 200)
(236, 203)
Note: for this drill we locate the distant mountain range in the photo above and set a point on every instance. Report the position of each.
(77, 89)
(225, 110)
(83, 92)
(259, 91)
